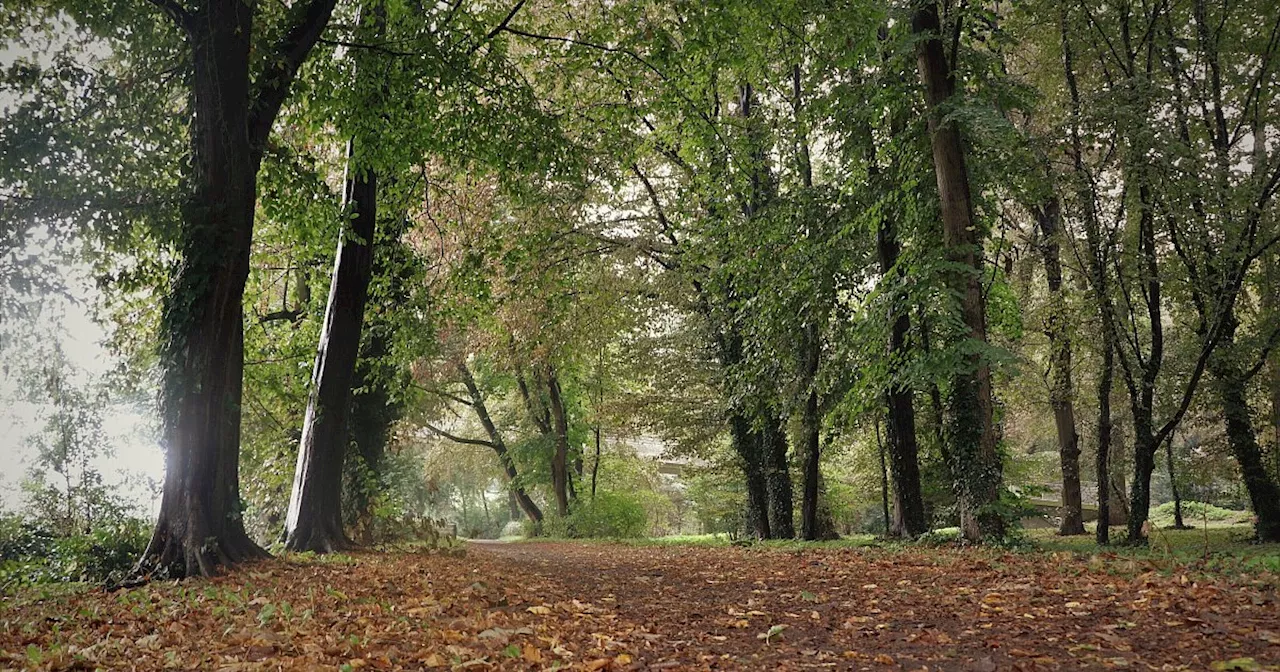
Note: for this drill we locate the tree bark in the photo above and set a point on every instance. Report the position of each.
(746, 444)
(314, 520)
(908, 503)
(200, 525)
(1061, 391)
(975, 460)
(1271, 285)
(1232, 388)
(1102, 460)
(560, 458)
(812, 438)
(778, 477)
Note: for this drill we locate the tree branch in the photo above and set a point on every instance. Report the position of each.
(176, 11)
(282, 67)
(456, 439)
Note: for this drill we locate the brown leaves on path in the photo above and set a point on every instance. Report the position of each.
(612, 607)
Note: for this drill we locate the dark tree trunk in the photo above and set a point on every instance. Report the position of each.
(1142, 395)
(1144, 464)
(373, 411)
(499, 446)
(1061, 391)
(595, 464)
(1232, 388)
(812, 447)
(1103, 457)
(200, 524)
(778, 477)
(812, 438)
(560, 456)
(746, 444)
(975, 460)
(1097, 265)
(1271, 273)
(908, 502)
(314, 521)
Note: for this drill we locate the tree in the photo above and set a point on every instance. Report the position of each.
(235, 99)
(971, 436)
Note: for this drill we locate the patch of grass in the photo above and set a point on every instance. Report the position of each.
(1220, 548)
(1199, 514)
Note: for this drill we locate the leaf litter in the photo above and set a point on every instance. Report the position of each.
(561, 605)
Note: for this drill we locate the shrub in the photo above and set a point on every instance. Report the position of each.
(1193, 512)
(608, 516)
(31, 554)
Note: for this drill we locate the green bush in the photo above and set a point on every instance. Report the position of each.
(32, 554)
(608, 516)
(1193, 512)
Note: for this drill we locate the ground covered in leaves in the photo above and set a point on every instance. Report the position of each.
(607, 606)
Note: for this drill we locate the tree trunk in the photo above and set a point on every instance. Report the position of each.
(314, 520)
(778, 476)
(908, 502)
(884, 479)
(1144, 464)
(1273, 374)
(746, 444)
(560, 458)
(812, 438)
(1061, 392)
(1264, 493)
(1102, 460)
(595, 465)
(200, 525)
(499, 446)
(975, 459)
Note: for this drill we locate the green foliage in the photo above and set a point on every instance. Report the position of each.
(31, 553)
(609, 515)
(1198, 513)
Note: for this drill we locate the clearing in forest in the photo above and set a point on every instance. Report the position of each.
(555, 605)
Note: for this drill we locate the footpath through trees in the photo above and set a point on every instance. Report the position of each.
(607, 606)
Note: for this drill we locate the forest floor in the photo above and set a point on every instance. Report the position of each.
(548, 605)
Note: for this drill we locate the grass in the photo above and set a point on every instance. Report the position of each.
(1220, 547)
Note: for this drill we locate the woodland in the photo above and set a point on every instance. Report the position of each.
(960, 314)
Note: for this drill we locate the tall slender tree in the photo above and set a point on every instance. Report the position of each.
(975, 460)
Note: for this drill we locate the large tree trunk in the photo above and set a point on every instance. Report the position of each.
(908, 502)
(375, 406)
(975, 460)
(746, 443)
(560, 456)
(1270, 307)
(1232, 386)
(200, 526)
(1061, 391)
(778, 477)
(314, 520)
(519, 496)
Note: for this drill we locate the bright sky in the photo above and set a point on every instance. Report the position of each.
(137, 455)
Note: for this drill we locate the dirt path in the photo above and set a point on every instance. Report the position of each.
(872, 609)
(547, 606)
